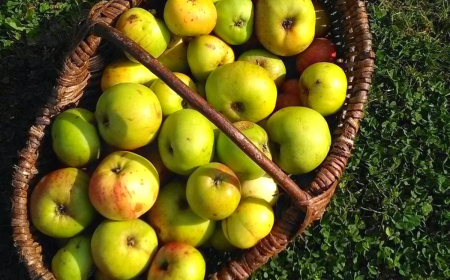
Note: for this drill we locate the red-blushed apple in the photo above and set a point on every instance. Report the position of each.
(263, 187)
(190, 18)
(323, 20)
(213, 191)
(123, 249)
(288, 95)
(173, 219)
(124, 186)
(74, 261)
(300, 139)
(323, 88)
(252, 220)
(320, 50)
(59, 204)
(219, 242)
(177, 261)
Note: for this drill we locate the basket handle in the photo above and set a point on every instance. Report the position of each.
(103, 30)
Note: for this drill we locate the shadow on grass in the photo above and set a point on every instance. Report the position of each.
(28, 70)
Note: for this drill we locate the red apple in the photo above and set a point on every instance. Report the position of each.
(320, 50)
(323, 21)
(288, 95)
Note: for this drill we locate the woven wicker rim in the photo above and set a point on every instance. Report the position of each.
(350, 30)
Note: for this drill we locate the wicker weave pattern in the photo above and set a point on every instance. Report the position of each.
(83, 68)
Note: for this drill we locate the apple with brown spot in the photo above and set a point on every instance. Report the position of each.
(320, 50)
(124, 186)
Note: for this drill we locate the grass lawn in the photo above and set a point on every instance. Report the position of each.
(390, 218)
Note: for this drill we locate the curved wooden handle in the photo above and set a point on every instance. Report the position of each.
(122, 41)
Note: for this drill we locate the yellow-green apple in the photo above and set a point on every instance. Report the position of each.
(206, 53)
(59, 204)
(123, 249)
(75, 138)
(186, 141)
(323, 21)
(263, 187)
(300, 139)
(125, 71)
(124, 186)
(288, 95)
(213, 191)
(232, 156)
(234, 21)
(219, 242)
(74, 261)
(151, 153)
(285, 28)
(170, 101)
(238, 99)
(320, 50)
(175, 56)
(128, 116)
(190, 18)
(323, 87)
(272, 63)
(174, 220)
(177, 261)
(252, 221)
(147, 31)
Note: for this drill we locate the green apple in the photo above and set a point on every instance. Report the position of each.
(124, 186)
(59, 204)
(232, 156)
(300, 139)
(206, 53)
(74, 261)
(323, 87)
(264, 187)
(190, 18)
(219, 242)
(213, 191)
(142, 27)
(234, 21)
(272, 63)
(170, 101)
(175, 57)
(75, 138)
(125, 71)
(128, 116)
(241, 99)
(285, 28)
(123, 249)
(252, 221)
(173, 220)
(177, 261)
(201, 90)
(102, 276)
(186, 141)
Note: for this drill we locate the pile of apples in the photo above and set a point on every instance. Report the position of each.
(149, 179)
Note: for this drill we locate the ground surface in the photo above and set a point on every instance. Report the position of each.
(391, 216)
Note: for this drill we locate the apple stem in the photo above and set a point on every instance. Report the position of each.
(101, 29)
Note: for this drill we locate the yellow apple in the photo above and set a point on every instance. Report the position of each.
(125, 71)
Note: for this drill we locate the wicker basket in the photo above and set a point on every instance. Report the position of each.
(79, 85)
